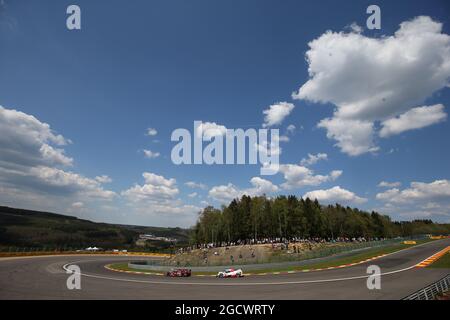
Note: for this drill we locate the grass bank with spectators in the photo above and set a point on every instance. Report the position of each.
(308, 265)
(270, 253)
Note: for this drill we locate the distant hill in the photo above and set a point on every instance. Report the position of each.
(27, 228)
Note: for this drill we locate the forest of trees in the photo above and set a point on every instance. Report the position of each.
(288, 216)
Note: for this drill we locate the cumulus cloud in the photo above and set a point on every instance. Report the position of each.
(261, 186)
(192, 195)
(297, 176)
(33, 174)
(32, 163)
(277, 113)
(418, 191)
(313, 159)
(26, 141)
(68, 182)
(55, 155)
(283, 138)
(78, 205)
(103, 179)
(152, 132)
(157, 199)
(375, 79)
(208, 130)
(226, 193)
(156, 187)
(421, 200)
(335, 195)
(151, 154)
(353, 137)
(291, 129)
(385, 184)
(415, 118)
(268, 149)
(356, 28)
(193, 184)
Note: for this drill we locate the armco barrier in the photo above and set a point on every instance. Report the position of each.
(430, 292)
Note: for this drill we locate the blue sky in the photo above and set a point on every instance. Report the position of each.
(164, 64)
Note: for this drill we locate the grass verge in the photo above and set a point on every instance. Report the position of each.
(442, 262)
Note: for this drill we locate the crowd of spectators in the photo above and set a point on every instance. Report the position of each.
(282, 243)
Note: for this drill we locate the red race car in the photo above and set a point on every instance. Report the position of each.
(179, 273)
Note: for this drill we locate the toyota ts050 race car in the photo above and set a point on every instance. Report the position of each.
(179, 273)
(230, 273)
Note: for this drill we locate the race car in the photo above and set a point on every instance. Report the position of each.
(179, 273)
(230, 273)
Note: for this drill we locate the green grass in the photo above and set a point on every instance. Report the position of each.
(370, 253)
(442, 262)
(358, 257)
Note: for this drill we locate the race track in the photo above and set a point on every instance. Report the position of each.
(45, 278)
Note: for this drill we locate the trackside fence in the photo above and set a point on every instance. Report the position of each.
(430, 292)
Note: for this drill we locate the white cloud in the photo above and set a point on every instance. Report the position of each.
(157, 200)
(32, 174)
(268, 148)
(192, 195)
(150, 154)
(30, 164)
(78, 205)
(103, 179)
(291, 129)
(415, 118)
(374, 79)
(420, 200)
(192, 184)
(354, 137)
(418, 191)
(335, 195)
(283, 138)
(261, 186)
(69, 182)
(385, 184)
(356, 28)
(26, 141)
(299, 176)
(313, 159)
(152, 132)
(55, 155)
(156, 187)
(226, 193)
(157, 180)
(277, 113)
(210, 129)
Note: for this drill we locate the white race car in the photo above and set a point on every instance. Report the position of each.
(230, 273)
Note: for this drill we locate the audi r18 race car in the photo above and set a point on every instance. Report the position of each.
(179, 273)
(230, 273)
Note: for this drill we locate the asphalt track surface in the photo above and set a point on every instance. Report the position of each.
(45, 278)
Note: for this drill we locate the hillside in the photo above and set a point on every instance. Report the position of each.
(26, 228)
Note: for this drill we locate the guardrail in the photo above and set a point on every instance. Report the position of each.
(430, 292)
